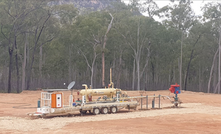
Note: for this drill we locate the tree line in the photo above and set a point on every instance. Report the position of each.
(44, 45)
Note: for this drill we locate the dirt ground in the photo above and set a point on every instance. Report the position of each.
(200, 113)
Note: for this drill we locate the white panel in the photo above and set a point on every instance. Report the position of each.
(58, 100)
(70, 100)
(83, 99)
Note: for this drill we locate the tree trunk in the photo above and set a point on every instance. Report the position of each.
(91, 67)
(215, 77)
(211, 71)
(219, 61)
(95, 74)
(199, 81)
(137, 56)
(103, 68)
(40, 66)
(37, 38)
(153, 72)
(215, 90)
(187, 72)
(134, 69)
(92, 76)
(188, 67)
(181, 57)
(69, 64)
(17, 68)
(24, 63)
(30, 68)
(10, 51)
(119, 70)
(104, 45)
(138, 75)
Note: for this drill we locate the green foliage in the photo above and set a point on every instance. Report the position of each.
(68, 35)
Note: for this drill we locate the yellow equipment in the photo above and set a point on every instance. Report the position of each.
(108, 92)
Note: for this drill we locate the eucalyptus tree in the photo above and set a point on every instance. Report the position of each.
(180, 17)
(3, 63)
(212, 13)
(148, 7)
(136, 32)
(20, 18)
(163, 60)
(104, 47)
(67, 17)
(193, 39)
(14, 22)
(139, 37)
(119, 51)
(93, 34)
(42, 31)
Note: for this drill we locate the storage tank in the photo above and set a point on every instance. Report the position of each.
(109, 92)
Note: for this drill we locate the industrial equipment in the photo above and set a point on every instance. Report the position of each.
(110, 100)
(176, 90)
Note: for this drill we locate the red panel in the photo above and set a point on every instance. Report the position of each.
(53, 100)
(172, 88)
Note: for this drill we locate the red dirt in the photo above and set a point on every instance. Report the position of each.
(200, 113)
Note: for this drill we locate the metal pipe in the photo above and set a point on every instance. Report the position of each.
(111, 82)
(117, 96)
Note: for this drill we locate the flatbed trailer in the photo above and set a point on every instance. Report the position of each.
(95, 108)
(52, 101)
(52, 104)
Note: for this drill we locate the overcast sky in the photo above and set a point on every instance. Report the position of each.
(196, 5)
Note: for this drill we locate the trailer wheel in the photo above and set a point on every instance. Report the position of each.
(113, 109)
(104, 110)
(96, 111)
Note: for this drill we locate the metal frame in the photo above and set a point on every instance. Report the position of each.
(45, 100)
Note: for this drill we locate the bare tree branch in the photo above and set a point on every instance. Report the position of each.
(3, 33)
(85, 58)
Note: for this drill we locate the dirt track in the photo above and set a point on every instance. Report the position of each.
(199, 113)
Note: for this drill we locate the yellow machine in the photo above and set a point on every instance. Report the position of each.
(107, 93)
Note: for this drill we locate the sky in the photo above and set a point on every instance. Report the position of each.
(196, 5)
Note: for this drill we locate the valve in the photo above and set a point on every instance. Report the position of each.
(176, 90)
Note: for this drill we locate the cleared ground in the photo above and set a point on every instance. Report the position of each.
(200, 113)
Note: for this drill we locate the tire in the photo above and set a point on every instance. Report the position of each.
(96, 111)
(104, 110)
(113, 109)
